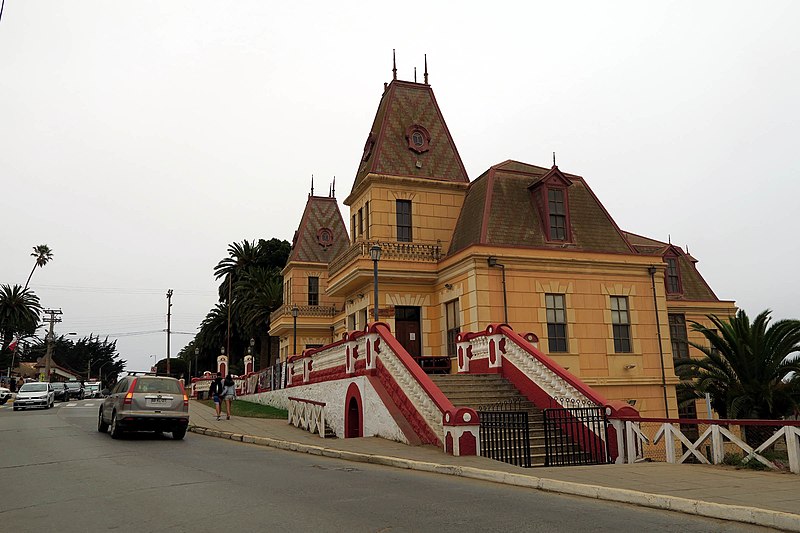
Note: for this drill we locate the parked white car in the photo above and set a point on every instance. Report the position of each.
(5, 395)
(35, 394)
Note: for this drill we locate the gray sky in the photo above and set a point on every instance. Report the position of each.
(139, 139)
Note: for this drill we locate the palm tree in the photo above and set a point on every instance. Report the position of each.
(257, 295)
(19, 314)
(748, 369)
(240, 258)
(43, 255)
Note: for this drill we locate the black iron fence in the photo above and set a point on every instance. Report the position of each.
(505, 436)
(576, 436)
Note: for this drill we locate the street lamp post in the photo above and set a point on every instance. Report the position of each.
(295, 312)
(375, 254)
(196, 355)
(100, 371)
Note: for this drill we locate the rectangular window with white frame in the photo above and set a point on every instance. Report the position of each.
(621, 324)
(556, 323)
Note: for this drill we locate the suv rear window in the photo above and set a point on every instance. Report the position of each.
(157, 385)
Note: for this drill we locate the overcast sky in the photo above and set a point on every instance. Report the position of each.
(139, 139)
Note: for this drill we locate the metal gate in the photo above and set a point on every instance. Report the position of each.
(576, 436)
(505, 437)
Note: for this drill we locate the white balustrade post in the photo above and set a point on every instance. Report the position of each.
(495, 354)
(351, 355)
(463, 348)
(371, 346)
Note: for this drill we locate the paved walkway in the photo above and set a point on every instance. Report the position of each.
(763, 498)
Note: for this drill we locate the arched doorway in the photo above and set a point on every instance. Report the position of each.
(353, 413)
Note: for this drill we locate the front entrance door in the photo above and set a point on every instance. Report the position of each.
(406, 321)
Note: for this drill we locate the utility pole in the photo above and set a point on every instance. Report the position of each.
(48, 358)
(169, 315)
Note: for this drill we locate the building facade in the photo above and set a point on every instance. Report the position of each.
(521, 244)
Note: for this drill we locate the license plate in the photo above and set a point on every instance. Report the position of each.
(157, 402)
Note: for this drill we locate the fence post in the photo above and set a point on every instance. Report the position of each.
(669, 442)
(793, 447)
(717, 446)
(630, 441)
(619, 429)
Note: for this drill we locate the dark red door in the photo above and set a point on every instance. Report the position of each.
(353, 421)
(406, 321)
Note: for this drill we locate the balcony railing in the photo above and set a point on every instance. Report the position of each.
(397, 251)
(304, 311)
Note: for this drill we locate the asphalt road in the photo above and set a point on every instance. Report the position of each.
(59, 474)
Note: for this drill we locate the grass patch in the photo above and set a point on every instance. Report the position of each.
(736, 459)
(250, 409)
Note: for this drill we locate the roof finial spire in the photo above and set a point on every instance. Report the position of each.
(333, 188)
(394, 65)
(312, 184)
(669, 238)
(426, 69)
(415, 74)
(554, 159)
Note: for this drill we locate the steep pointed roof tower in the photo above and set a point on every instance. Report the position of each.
(321, 235)
(409, 138)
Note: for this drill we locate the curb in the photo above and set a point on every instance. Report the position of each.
(733, 513)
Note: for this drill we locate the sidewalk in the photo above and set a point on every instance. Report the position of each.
(763, 498)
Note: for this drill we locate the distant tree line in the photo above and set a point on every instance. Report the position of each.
(250, 289)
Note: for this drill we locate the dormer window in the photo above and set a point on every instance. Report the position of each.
(673, 276)
(550, 193)
(558, 214)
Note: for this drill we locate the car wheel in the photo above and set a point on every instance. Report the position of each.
(102, 425)
(116, 431)
(178, 434)
(47, 405)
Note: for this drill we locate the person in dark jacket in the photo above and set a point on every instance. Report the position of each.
(228, 393)
(216, 393)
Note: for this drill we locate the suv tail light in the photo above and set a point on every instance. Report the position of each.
(185, 397)
(129, 396)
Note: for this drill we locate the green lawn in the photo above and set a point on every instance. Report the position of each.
(253, 410)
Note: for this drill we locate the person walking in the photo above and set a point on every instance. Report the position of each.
(228, 393)
(216, 393)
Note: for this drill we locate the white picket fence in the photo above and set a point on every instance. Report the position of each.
(636, 442)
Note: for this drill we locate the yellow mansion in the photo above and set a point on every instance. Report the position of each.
(521, 244)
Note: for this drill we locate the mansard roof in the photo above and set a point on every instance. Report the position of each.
(500, 211)
(406, 108)
(693, 284)
(322, 234)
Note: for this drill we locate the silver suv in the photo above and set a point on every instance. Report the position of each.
(145, 402)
